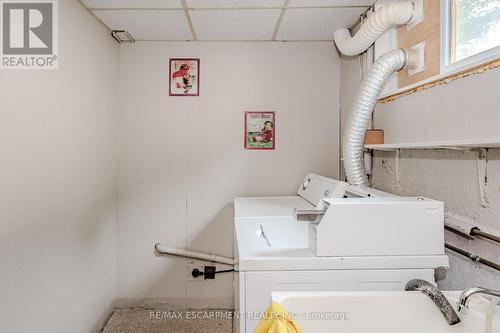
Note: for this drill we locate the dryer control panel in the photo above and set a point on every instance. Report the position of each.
(315, 187)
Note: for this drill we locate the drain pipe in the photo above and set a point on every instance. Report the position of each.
(364, 102)
(165, 250)
(376, 25)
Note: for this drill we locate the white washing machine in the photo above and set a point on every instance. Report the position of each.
(275, 253)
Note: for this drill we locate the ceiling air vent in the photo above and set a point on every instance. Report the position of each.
(122, 36)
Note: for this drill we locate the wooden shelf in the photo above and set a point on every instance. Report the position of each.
(453, 144)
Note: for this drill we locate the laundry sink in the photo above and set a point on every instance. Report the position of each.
(382, 312)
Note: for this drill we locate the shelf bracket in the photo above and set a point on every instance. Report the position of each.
(482, 176)
(396, 167)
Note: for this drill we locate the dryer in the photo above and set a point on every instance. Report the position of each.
(312, 188)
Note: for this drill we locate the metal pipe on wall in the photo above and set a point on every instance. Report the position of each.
(477, 232)
(473, 257)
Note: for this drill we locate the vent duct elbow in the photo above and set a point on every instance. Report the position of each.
(382, 20)
(360, 116)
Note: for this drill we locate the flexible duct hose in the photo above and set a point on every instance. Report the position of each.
(359, 118)
(382, 20)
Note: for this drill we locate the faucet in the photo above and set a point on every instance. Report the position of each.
(437, 297)
(308, 214)
(463, 302)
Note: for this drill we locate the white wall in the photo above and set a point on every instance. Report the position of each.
(57, 184)
(182, 159)
(350, 79)
(463, 109)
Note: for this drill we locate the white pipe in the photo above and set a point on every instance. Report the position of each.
(165, 250)
(360, 116)
(375, 25)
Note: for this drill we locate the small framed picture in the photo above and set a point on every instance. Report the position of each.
(184, 77)
(260, 130)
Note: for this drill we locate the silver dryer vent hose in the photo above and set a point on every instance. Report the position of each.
(360, 116)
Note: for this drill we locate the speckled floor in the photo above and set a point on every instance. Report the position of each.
(148, 321)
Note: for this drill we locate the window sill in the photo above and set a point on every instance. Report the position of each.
(471, 69)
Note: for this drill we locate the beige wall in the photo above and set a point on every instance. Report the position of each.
(182, 159)
(57, 184)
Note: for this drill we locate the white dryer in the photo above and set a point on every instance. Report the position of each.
(274, 250)
(311, 190)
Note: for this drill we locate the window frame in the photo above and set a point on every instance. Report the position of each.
(446, 39)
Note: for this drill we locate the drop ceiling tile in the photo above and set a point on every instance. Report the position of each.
(234, 3)
(132, 3)
(148, 24)
(316, 23)
(243, 24)
(329, 3)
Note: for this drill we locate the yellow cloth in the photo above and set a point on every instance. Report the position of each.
(277, 320)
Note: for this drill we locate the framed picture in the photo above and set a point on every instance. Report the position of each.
(184, 77)
(260, 130)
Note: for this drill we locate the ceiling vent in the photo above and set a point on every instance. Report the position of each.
(122, 36)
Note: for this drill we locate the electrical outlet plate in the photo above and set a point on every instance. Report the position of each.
(192, 264)
(200, 264)
(420, 48)
(418, 16)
